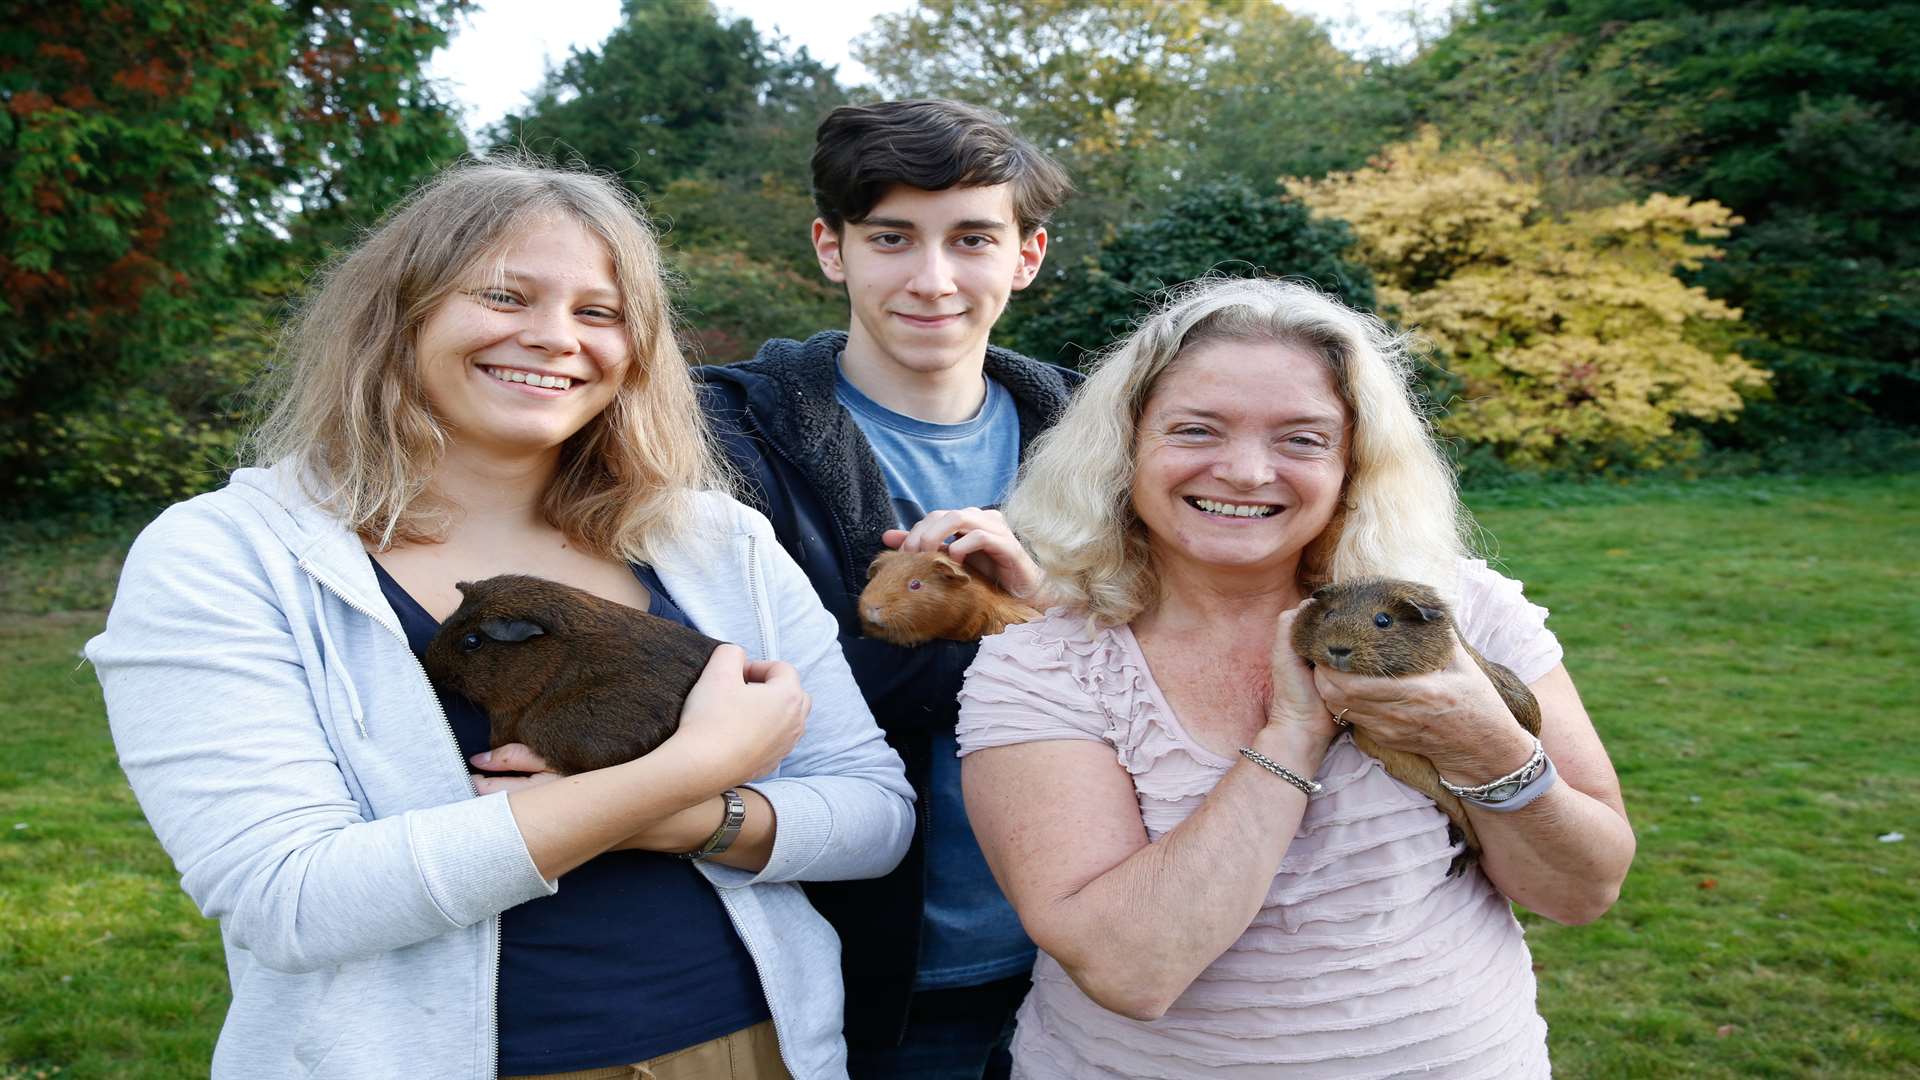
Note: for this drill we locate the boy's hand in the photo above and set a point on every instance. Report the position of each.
(980, 539)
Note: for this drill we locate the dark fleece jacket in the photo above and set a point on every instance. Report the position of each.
(808, 467)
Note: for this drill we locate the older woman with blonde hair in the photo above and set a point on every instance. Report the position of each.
(1221, 884)
(490, 384)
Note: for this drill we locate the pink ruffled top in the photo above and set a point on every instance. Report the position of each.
(1366, 959)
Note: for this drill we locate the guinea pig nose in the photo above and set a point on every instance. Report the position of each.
(1339, 652)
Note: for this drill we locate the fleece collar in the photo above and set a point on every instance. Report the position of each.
(805, 422)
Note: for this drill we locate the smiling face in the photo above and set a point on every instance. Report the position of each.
(1239, 458)
(928, 274)
(523, 354)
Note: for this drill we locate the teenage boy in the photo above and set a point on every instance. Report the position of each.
(895, 433)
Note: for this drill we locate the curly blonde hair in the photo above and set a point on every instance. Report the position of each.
(346, 402)
(1399, 514)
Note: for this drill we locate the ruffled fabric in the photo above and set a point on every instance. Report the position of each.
(1366, 959)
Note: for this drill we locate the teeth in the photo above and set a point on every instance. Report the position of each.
(551, 382)
(1234, 509)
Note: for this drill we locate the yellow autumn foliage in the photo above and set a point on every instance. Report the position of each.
(1572, 337)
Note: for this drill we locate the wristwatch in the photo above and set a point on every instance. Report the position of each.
(1495, 792)
(722, 837)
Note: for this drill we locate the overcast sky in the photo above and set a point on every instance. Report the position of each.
(501, 52)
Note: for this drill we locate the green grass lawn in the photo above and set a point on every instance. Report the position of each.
(1747, 650)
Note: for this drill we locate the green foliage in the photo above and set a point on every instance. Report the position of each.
(733, 303)
(1571, 341)
(161, 159)
(712, 125)
(1800, 117)
(652, 101)
(1224, 227)
(1142, 100)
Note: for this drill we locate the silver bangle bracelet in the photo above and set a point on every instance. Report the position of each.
(1309, 787)
(1506, 787)
(1534, 788)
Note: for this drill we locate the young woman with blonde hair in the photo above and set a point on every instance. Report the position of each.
(489, 384)
(1219, 881)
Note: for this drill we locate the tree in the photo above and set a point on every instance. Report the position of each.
(712, 125)
(1571, 341)
(1224, 228)
(1141, 101)
(161, 161)
(1800, 117)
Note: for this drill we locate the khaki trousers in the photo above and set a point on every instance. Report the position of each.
(748, 1054)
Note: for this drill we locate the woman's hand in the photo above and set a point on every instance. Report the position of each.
(1295, 708)
(741, 718)
(985, 544)
(1453, 717)
(510, 758)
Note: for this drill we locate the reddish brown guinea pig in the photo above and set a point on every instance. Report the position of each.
(913, 597)
(1381, 626)
(583, 681)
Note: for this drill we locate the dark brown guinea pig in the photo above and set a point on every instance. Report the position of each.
(585, 682)
(913, 597)
(1385, 627)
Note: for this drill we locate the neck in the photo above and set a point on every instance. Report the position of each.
(946, 396)
(1210, 600)
(494, 493)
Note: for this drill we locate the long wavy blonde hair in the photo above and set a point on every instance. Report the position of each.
(346, 402)
(1398, 515)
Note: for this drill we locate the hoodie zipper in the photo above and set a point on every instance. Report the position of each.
(726, 897)
(453, 741)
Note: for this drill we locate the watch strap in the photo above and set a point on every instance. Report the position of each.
(722, 837)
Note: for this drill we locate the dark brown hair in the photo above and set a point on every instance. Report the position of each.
(862, 150)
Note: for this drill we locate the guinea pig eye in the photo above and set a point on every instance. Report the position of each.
(1383, 620)
(914, 584)
(471, 642)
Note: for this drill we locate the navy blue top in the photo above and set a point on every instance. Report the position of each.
(634, 957)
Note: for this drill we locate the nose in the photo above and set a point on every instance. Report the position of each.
(1340, 656)
(1245, 464)
(549, 329)
(933, 277)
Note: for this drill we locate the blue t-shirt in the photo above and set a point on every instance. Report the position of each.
(971, 935)
(634, 957)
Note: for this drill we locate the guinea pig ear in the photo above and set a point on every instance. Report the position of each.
(1427, 611)
(510, 629)
(1322, 593)
(874, 566)
(950, 568)
(463, 586)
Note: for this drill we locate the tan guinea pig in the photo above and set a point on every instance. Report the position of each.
(1386, 627)
(913, 597)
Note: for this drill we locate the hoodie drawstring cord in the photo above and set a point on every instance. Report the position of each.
(334, 663)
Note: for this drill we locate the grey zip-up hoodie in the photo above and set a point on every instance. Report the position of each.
(295, 763)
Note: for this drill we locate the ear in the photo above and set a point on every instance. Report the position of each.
(949, 568)
(510, 629)
(874, 566)
(463, 586)
(826, 248)
(1033, 252)
(1322, 593)
(1428, 606)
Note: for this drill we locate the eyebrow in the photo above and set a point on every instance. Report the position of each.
(903, 225)
(1291, 421)
(508, 273)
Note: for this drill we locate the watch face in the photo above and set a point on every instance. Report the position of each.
(1504, 791)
